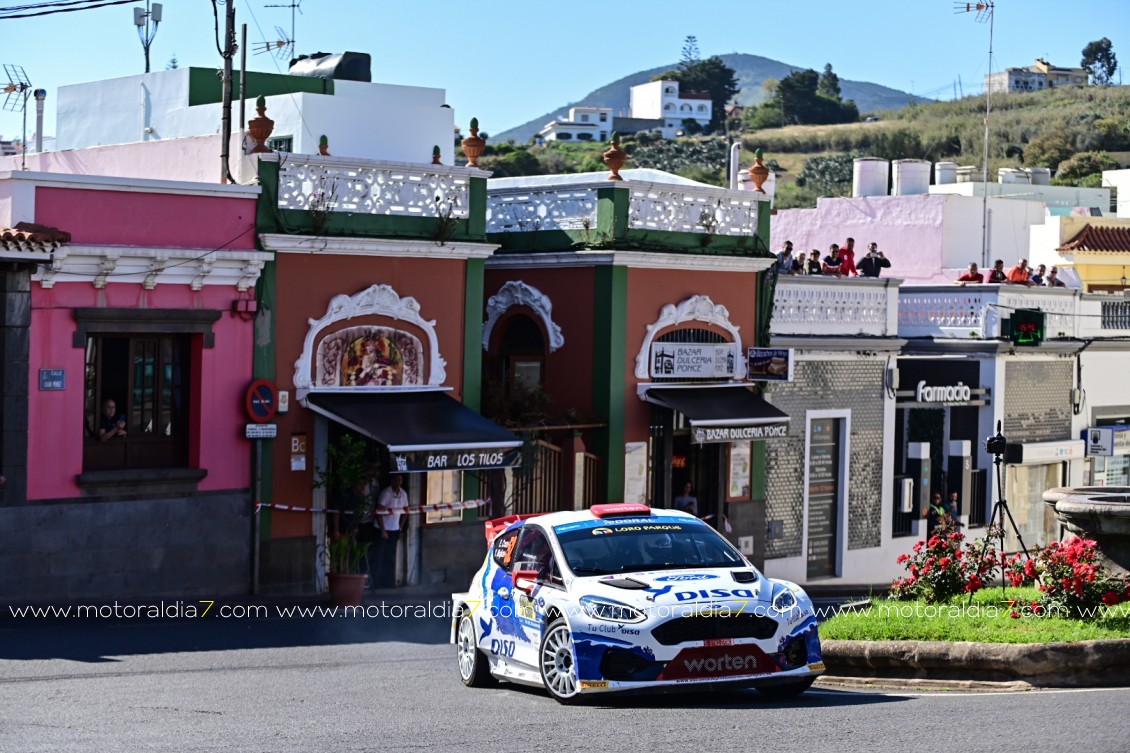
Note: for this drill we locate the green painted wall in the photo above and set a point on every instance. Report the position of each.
(609, 372)
(263, 367)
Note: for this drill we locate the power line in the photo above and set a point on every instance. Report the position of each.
(46, 9)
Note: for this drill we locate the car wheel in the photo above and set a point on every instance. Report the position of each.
(556, 660)
(474, 670)
(787, 690)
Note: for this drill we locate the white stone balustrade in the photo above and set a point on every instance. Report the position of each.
(804, 305)
(339, 184)
(692, 209)
(975, 311)
(667, 207)
(523, 210)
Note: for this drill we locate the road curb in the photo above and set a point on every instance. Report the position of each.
(1101, 663)
(898, 683)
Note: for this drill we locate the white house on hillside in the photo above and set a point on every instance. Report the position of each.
(583, 124)
(662, 100)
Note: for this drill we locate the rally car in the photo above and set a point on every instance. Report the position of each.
(623, 597)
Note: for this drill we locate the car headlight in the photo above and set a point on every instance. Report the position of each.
(784, 601)
(609, 610)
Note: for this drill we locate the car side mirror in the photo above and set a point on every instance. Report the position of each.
(525, 580)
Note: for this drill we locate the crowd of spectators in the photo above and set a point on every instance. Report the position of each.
(840, 261)
(1021, 274)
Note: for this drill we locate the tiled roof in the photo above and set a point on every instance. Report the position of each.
(28, 236)
(1115, 240)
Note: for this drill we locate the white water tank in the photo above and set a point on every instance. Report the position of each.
(968, 174)
(911, 177)
(1011, 175)
(869, 176)
(945, 173)
(1039, 176)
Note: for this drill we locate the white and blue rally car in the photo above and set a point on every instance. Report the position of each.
(623, 597)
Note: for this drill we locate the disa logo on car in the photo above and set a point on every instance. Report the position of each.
(714, 593)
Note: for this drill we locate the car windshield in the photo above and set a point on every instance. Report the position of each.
(631, 545)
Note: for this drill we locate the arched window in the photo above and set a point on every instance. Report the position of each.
(702, 108)
(669, 106)
(669, 90)
(685, 108)
(522, 356)
(564, 136)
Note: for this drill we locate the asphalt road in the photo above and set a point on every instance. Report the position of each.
(321, 684)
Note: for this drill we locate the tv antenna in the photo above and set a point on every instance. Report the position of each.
(283, 47)
(294, 5)
(985, 10)
(16, 92)
(146, 22)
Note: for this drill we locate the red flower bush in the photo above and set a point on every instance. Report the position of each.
(944, 566)
(1070, 576)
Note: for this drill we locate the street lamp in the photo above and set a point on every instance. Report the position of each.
(146, 22)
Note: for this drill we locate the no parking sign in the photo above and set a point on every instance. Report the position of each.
(262, 401)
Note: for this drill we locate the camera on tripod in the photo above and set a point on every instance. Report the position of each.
(996, 445)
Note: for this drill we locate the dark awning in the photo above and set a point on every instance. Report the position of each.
(423, 430)
(722, 414)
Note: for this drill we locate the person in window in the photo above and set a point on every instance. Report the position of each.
(833, 261)
(1053, 280)
(112, 423)
(814, 266)
(997, 274)
(874, 263)
(973, 275)
(686, 501)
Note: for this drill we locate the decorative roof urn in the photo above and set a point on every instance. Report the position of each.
(324, 146)
(615, 157)
(261, 127)
(473, 146)
(435, 155)
(758, 172)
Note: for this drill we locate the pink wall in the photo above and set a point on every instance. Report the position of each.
(908, 229)
(132, 218)
(55, 419)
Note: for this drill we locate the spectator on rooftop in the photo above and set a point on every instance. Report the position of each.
(1020, 274)
(1039, 275)
(872, 264)
(814, 266)
(1053, 280)
(833, 262)
(973, 275)
(847, 253)
(997, 274)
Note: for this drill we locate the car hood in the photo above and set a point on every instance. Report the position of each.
(663, 587)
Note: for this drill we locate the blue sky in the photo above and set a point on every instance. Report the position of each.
(507, 61)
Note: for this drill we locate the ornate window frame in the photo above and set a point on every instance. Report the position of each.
(696, 308)
(375, 300)
(518, 293)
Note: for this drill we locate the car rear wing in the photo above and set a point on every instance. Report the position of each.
(498, 525)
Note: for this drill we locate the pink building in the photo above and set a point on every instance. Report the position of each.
(126, 293)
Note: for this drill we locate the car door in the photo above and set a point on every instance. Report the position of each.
(533, 553)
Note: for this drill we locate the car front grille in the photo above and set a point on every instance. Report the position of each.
(714, 627)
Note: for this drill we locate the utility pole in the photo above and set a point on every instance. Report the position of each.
(225, 129)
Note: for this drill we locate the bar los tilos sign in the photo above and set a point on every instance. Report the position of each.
(693, 360)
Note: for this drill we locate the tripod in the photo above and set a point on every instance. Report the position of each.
(996, 446)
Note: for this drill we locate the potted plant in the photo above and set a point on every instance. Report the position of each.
(348, 479)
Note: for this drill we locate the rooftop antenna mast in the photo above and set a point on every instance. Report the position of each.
(985, 10)
(294, 5)
(283, 46)
(16, 92)
(146, 22)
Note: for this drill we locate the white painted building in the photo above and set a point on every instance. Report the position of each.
(583, 124)
(663, 100)
(363, 120)
(1042, 75)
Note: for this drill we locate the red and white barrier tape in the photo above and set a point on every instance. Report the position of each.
(415, 510)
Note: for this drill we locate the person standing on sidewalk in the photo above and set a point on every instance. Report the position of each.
(392, 504)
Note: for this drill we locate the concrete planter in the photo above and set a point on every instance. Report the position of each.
(1053, 665)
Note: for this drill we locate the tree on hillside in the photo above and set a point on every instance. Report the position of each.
(691, 55)
(829, 85)
(1100, 61)
(798, 99)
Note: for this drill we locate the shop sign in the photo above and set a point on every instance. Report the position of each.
(716, 434)
(693, 360)
(944, 394)
(1045, 452)
(422, 461)
(1107, 440)
(770, 364)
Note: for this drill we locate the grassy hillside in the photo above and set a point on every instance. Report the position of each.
(1074, 131)
(751, 71)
